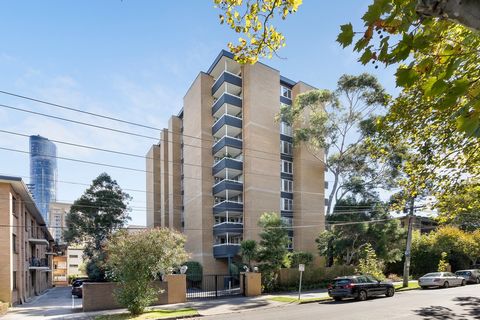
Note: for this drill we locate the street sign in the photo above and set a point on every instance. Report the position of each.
(301, 267)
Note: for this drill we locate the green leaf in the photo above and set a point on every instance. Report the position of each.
(366, 56)
(406, 77)
(469, 124)
(345, 37)
(374, 11)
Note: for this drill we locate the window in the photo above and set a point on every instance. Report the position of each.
(14, 206)
(14, 243)
(287, 204)
(286, 92)
(73, 256)
(287, 167)
(14, 277)
(287, 221)
(73, 266)
(285, 129)
(290, 243)
(286, 147)
(287, 185)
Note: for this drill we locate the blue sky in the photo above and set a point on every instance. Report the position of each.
(135, 60)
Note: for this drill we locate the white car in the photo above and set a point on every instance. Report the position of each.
(441, 279)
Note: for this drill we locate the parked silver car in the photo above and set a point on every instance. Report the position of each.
(441, 279)
(471, 275)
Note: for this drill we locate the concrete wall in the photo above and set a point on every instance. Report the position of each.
(251, 283)
(308, 191)
(100, 296)
(152, 164)
(261, 145)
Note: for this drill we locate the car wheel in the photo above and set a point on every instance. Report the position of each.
(390, 292)
(423, 287)
(362, 295)
(463, 283)
(446, 284)
(337, 298)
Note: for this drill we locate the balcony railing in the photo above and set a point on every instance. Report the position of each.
(38, 263)
(226, 77)
(225, 250)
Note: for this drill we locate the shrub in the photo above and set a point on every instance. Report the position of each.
(136, 259)
(194, 272)
(300, 257)
(443, 263)
(369, 264)
(394, 277)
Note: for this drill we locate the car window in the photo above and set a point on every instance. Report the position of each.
(362, 279)
(433, 274)
(342, 282)
(371, 279)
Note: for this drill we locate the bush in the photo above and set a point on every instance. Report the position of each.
(300, 257)
(369, 264)
(194, 272)
(394, 277)
(313, 278)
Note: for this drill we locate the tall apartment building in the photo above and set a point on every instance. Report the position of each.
(43, 172)
(224, 160)
(25, 244)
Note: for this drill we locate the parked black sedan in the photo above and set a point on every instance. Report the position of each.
(359, 287)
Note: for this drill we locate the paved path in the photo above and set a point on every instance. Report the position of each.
(460, 303)
(56, 303)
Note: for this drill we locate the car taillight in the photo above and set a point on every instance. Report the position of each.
(330, 286)
(349, 286)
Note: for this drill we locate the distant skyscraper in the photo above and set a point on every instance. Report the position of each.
(43, 173)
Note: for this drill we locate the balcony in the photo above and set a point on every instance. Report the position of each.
(228, 205)
(225, 250)
(227, 82)
(227, 227)
(38, 264)
(233, 187)
(227, 168)
(227, 103)
(39, 241)
(227, 124)
(227, 145)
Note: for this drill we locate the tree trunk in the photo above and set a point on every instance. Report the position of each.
(465, 12)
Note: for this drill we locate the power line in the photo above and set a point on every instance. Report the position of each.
(78, 110)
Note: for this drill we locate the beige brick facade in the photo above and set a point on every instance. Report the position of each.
(25, 244)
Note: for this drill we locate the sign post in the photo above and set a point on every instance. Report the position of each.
(301, 268)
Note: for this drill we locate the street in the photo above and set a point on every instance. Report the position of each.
(445, 304)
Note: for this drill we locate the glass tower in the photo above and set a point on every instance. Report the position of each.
(43, 173)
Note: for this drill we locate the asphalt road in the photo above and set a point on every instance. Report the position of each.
(457, 303)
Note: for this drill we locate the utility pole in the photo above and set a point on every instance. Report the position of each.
(406, 265)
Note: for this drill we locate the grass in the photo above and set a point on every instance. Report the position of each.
(154, 314)
(411, 286)
(301, 301)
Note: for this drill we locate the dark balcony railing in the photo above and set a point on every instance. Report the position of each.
(226, 120)
(227, 185)
(228, 206)
(35, 262)
(227, 163)
(225, 250)
(227, 227)
(226, 98)
(226, 77)
(227, 141)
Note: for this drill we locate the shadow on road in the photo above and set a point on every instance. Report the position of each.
(471, 309)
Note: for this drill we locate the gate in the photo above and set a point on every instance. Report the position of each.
(213, 286)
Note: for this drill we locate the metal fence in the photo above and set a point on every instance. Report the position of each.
(213, 286)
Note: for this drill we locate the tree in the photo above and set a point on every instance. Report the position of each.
(272, 251)
(248, 252)
(369, 264)
(300, 257)
(339, 123)
(137, 259)
(443, 263)
(253, 19)
(100, 211)
(346, 239)
(460, 207)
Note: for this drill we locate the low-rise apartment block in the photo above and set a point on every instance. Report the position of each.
(224, 160)
(25, 244)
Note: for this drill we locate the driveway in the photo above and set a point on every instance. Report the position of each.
(56, 303)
